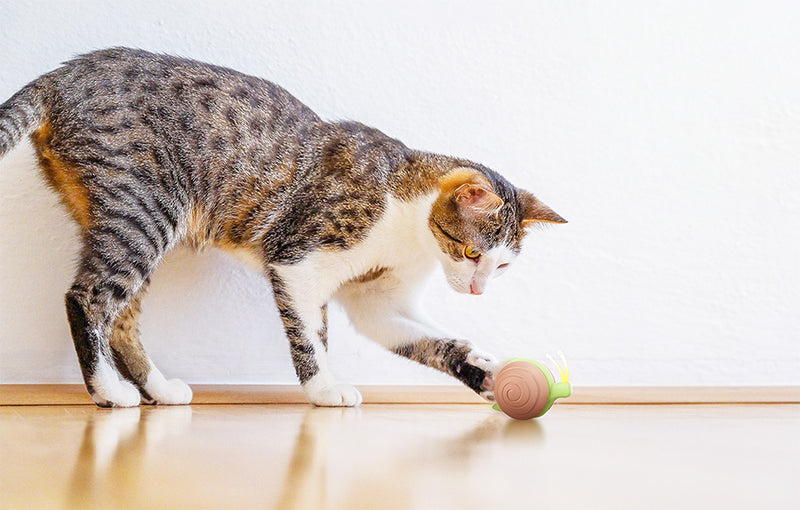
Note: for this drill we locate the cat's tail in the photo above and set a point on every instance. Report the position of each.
(20, 115)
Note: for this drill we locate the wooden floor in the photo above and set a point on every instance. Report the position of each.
(427, 456)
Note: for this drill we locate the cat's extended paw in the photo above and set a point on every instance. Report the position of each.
(169, 392)
(479, 371)
(331, 395)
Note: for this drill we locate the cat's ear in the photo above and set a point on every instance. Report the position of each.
(534, 211)
(476, 198)
(471, 192)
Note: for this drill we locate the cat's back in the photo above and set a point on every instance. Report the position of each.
(169, 92)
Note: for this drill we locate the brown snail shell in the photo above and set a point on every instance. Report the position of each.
(521, 390)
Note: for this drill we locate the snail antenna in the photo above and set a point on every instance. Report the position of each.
(563, 372)
(566, 367)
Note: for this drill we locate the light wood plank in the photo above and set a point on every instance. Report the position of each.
(75, 394)
(399, 457)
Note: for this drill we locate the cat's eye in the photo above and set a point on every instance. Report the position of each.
(471, 253)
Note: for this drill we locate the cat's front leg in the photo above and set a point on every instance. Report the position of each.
(391, 319)
(306, 323)
(471, 366)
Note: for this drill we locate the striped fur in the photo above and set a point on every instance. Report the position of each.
(302, 349)
(19, 116)
(149, 151)
(445, 355)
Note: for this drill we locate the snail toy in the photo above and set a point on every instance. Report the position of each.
(525, 388)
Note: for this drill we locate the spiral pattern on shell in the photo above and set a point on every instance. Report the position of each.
(521, 390)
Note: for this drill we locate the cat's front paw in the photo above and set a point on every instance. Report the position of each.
(326, 394)
(478, 372)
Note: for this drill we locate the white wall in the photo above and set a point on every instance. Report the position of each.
(668, 134)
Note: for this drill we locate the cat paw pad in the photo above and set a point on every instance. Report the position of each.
(488, 367)
(484, 361)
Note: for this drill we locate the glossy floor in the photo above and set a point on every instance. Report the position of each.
(400, 456)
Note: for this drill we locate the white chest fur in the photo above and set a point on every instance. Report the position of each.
(400, 241)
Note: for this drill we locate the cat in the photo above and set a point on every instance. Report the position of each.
(148, 151)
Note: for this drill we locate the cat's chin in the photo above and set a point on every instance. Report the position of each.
(459, 287)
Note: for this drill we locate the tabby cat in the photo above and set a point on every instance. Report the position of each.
(148, 151)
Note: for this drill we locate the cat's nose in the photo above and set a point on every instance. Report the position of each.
(477, 286)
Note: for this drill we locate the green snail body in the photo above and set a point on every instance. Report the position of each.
(525, 388)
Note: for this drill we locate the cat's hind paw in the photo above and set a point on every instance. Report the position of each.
(167, 392)
(331, 395)
(109, 390)
(175, 392)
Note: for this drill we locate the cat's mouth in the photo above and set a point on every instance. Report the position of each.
(458, 285)
(475, 285)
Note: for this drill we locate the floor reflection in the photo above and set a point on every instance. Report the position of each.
(306, 481)
(371, 457)
(397, 457)
(389, 481)
(113, 451)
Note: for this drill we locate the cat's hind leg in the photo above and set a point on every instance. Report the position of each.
(93, 301)
(121, 249)
(135, 365)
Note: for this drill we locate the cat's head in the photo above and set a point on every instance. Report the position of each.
(478, 221)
